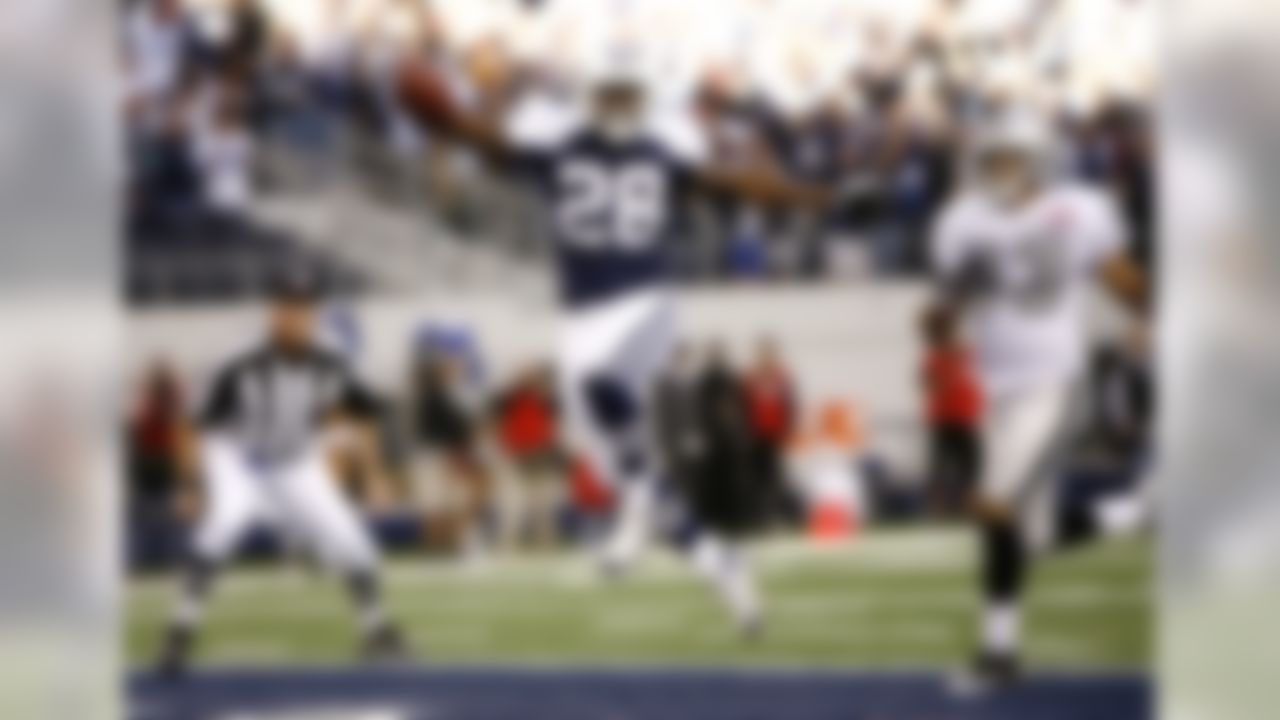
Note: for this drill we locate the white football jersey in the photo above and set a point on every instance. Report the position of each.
(1029, 327)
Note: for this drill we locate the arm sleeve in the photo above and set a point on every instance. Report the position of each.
(685, 144)
(534, 128)
(684, 139)
(221, 403)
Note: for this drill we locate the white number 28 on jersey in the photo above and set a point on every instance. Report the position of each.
(621, 207)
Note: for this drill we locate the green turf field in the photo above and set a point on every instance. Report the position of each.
(889, 600)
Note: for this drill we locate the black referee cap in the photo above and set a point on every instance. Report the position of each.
(296, 285)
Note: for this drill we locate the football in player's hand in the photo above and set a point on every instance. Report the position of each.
(424, 91)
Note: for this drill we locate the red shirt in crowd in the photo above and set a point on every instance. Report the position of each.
(527, 422)
(954, 394)
(769, 403)
(158, 417)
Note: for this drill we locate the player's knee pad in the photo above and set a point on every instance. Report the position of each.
(610, 403)
(215, 540)
(356, 553)
(344, 545)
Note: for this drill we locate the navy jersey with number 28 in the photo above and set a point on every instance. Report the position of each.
(613, 206)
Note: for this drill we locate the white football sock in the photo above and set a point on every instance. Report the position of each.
(1124, 515)
(1001, 627)
(371, 618)
(190, 611)
(727, 570)
(630, 532)
(741, 591)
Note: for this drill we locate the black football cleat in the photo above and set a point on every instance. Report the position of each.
(752, 629)
(385, 646)
(174, 662)
(990, 673)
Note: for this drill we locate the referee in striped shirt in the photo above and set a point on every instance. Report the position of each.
(260, 453)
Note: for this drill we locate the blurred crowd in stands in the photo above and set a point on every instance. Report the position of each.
(829, 89)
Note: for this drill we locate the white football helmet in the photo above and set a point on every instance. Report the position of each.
(618, 64)
(1019, 131)
(1012, 156)
(617, 82)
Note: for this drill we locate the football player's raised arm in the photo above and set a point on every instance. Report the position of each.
(1116, 270)
(425, 93)
(1126, 281)
(765, 186)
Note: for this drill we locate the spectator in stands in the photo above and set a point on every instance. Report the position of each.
(224, 152)
(528, 428)
(293, 115)
(954, 412)
(734, 130)
(246, 38)
(446, 429)
(156, 507)
(681, 432)
(166, 182)
(1135, 184)
(1122, 403)
(159, 41)
(772, 411)
(921, 178)
(724, 493)
(747, 247)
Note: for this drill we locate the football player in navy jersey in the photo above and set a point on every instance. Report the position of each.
(614, 175)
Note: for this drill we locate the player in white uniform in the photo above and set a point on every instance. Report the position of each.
(614, 173)
(1015, 254)
(262, 454)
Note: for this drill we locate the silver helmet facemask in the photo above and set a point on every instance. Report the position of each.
(1011, 159)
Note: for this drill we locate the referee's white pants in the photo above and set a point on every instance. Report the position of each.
(301, 499)
(1026, 437)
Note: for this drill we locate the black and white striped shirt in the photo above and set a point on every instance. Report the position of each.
(275, 402)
